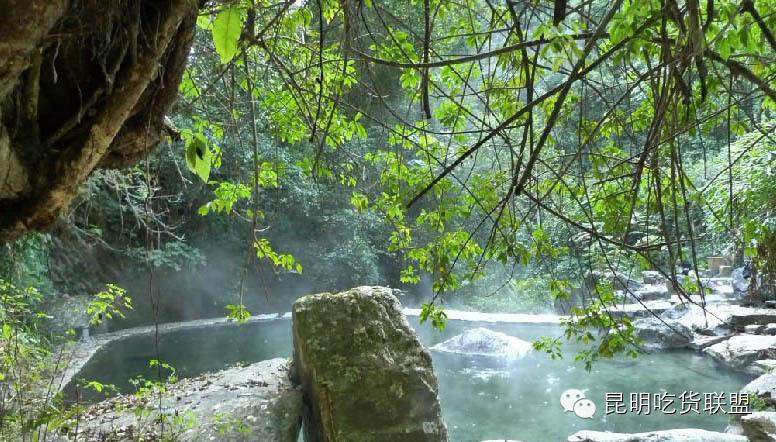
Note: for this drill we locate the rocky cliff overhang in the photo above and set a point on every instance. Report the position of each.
(83, 84)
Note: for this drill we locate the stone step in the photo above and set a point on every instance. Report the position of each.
(741, 350)
(701, 342)
(761, 367)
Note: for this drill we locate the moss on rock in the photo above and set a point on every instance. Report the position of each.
(365, 375)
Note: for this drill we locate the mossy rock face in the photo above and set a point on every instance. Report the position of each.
(66, 312)
(365, 375)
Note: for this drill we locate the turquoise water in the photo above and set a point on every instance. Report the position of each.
(481, 399)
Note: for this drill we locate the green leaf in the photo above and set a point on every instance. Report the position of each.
(226, 32)
(204, 22)
(359, 201)
(203, 167)
(436, 314)
(191, 156)
(198, 158)
(237, 312)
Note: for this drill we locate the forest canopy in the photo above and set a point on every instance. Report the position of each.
(493, 128)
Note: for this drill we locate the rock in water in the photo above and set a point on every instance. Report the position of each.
(710, 322)
(760, 426)
(484, 342)
(662, 333)
(761, 366)
(741, 350)
(365, 375)
(678, 435)
(763, 387)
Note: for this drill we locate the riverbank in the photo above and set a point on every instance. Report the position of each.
(255, 402)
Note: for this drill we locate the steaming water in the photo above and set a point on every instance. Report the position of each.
(480, 399)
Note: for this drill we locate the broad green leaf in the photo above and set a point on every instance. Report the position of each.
(198, 158)
(226, 32)
(191, 156)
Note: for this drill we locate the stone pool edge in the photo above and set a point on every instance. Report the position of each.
(74, 356)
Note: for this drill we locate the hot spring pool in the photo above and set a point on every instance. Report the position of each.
(480, 399)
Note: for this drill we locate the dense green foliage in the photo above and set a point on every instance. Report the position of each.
(747, 222)
(484, 134)
(479, 155)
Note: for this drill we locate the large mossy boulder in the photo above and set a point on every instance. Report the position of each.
(365, 375)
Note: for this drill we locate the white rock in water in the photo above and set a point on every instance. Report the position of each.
(764, 387)
(662, 333)
(761, 367)
(677, 435)
(754, 329)
(700, 342)
(741, 350)
(485, 342)
(709, 322)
